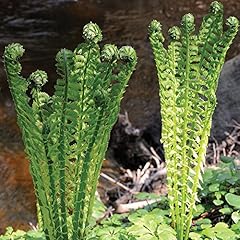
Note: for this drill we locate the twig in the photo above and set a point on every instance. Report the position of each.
(110, 179)
(228, 147)
(106, 214)
(156, 157)
(125, 208)
(34, 227)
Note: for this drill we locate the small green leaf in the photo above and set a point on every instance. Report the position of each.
(135, 216)
(208, 175)
(204, 221)
(218, 202)
(145, 195)
(233, 199)
(232, 190)
(209, 232)
(218, 195)
(223, 232)
(166, 233)
(236, 216)
(236, 228)
(199, 210)
(214, 187)
(195, 236)
(226, 159)
(226, 211)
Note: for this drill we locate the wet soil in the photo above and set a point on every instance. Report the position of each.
(17, 199)
(43, 27)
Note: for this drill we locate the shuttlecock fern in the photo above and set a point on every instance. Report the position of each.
(188, 71)
(66, 135)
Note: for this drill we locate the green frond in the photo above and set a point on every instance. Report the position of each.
(32, 136)
(188, 71)
(66, 135)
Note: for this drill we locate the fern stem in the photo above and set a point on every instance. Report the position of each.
(199, 160)
(91, 61)
(75, 217)
(61, 134)
(102, 150)
(180, 230)
(26, 123)
(80, 126)
(80, 203)
(62, 152)
(50, 171)
(100, 153)
(227, 38)
(176, 216)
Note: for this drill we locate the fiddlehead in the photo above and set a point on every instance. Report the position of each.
(92, 33)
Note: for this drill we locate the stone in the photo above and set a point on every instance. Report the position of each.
(228, 95)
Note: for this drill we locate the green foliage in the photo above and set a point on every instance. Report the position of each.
(138, 225)
(188, 71)
(153, 222)
(66, 135)
(233, 200)
(152, 225)
(21, 235)
(144, 223)
(224, 196)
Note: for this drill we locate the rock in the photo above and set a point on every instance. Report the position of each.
(130, 146)
(228, 95)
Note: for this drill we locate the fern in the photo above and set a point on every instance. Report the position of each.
(188, 72)
(66, 135)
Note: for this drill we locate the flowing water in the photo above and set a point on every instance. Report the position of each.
(43, 27)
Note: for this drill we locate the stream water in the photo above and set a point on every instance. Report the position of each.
(43, 27)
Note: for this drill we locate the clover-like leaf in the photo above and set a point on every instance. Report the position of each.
(233, 200)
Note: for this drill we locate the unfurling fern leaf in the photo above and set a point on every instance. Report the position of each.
(188, 72)
(66, 135)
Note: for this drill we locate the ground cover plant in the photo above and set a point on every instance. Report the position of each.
(66, 135)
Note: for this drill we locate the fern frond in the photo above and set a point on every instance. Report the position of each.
(88, 123)
(188, 72)
(66, 135)
(32, 136)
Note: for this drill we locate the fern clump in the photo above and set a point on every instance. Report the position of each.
(188, 71)
(66, 135)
